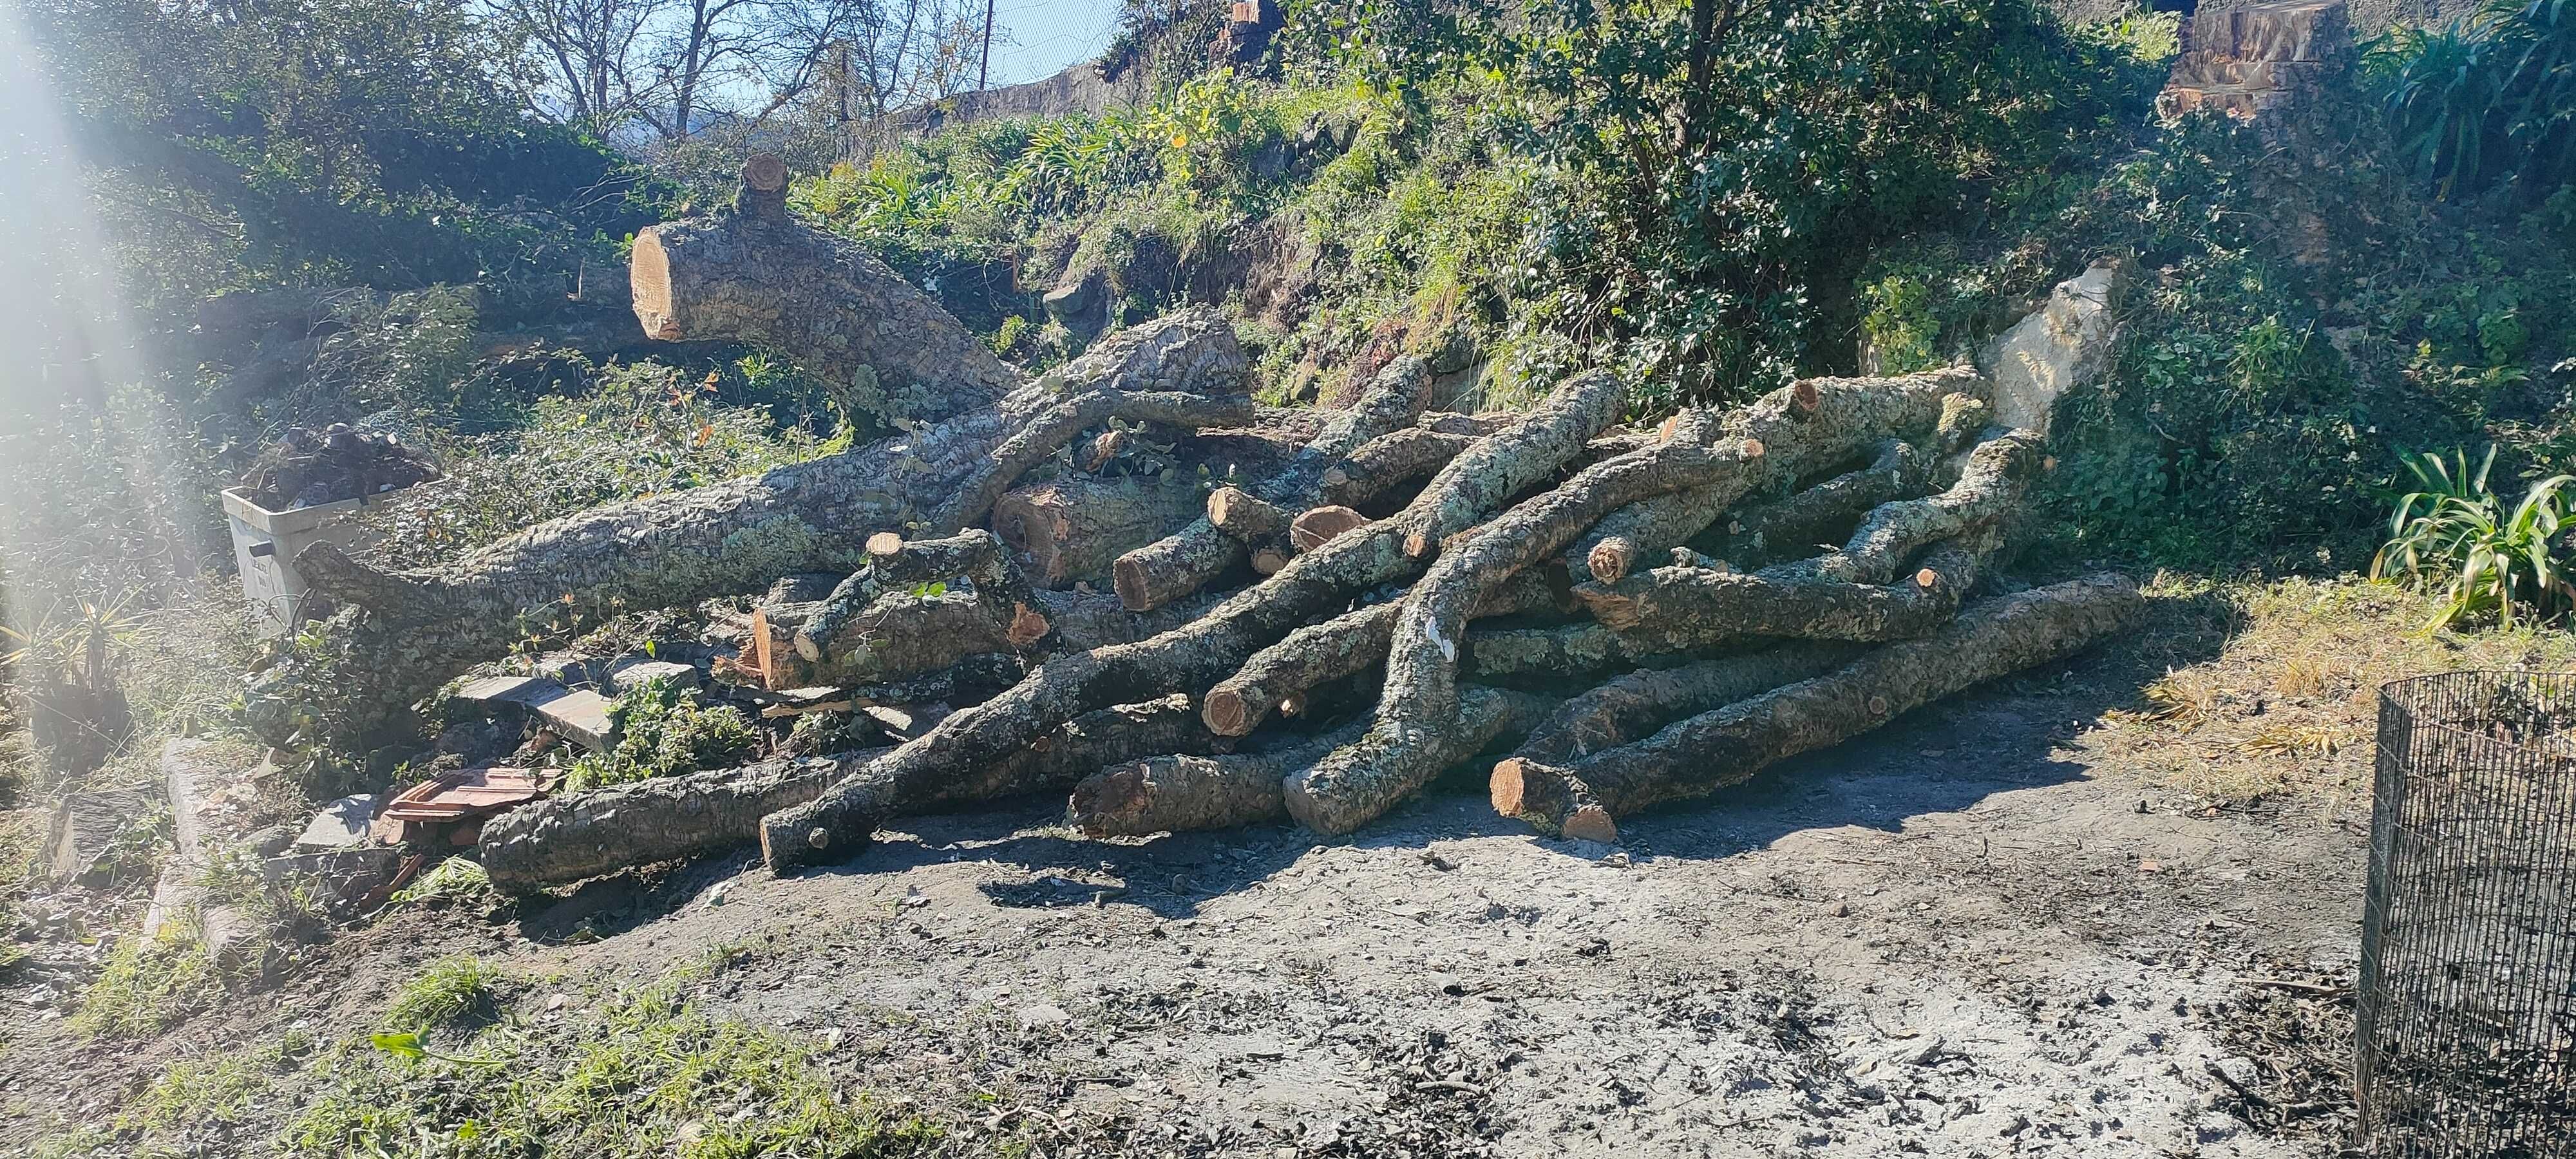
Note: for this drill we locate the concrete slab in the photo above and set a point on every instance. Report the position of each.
(342, 824)
(579, 716)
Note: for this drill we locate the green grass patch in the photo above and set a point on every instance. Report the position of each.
(150, 985)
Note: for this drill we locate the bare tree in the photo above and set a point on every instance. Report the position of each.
(581, 55)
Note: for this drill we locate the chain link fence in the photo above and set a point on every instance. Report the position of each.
(2467, 999)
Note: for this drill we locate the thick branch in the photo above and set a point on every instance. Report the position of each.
(565, 839)
(1712, 750)
(1630, 707)
(1997, 473)
(1205, 650)
(1363, 779)
(1170, 794)
(1345, 645)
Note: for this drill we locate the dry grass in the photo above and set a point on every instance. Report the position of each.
(2270, 690)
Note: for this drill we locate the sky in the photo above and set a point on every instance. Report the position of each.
(1047, 35)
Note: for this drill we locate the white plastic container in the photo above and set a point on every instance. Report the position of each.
(265, 543)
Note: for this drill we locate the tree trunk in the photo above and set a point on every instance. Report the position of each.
(1174, 793)
(737, 536)
(1389, 461)
(1710, 751)
(1466, 491)
(822, 298)
(1360, 781)
(566, 839)
(1074, 528)
(1632, 706)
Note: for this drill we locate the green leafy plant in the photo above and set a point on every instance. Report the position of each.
(2455, 536)
(2485, 97)
(663, 731)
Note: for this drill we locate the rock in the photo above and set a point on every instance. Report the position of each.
(343, 875)
(90, 824)
(271, 841)
(1080, 304)
(2062, 345)
(628, 676)
(342, 824)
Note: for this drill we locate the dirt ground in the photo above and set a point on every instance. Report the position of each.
(2002, 926)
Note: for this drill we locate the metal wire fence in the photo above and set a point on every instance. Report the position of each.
(2467, 1001)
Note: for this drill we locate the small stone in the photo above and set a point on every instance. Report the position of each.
(1840, 909)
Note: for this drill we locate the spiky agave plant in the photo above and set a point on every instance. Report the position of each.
(2456, 536)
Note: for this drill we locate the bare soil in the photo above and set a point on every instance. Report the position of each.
(1982, 931)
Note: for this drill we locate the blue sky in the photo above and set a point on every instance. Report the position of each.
(1047, 35)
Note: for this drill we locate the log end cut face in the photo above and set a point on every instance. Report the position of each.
(648, 272)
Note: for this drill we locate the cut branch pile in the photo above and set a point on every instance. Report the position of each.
(1624, 616)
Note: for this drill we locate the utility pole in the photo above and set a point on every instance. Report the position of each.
(984, 70)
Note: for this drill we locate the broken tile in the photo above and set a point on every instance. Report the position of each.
(342, 824)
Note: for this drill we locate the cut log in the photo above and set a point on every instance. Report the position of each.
(897, 634)
(976, 556)
(1704, 753)
(1673, 609)
(1661, 522)
(1175, 793)
(1246, 516)
(824, 299)
(1207, 649)
(1188, 559)
(1345, 645)
(566, 839)
(1075, 528)
(1791, 432)
(1634, 705)
(1819, 514)
(1389, 461)
(1334, 795)
(1316, 527)
(1991, 486)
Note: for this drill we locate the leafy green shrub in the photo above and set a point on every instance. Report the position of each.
(2484, 98)
(645, 429)
(2456, 537)
(662, 731)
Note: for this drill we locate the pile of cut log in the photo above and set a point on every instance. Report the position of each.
(1338, 607)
